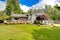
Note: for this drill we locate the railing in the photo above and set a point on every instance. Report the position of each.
(57, 21)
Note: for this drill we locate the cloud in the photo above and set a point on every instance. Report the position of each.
(2, 5)
(40, 4)
(45, 2)
(50, 2)
(24, 8)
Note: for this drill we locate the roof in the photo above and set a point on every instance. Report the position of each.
(19, 15)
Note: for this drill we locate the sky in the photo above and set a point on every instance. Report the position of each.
(25, 5)
(26, 2)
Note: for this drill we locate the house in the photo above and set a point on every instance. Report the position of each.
(19, 18)
(26, 18)
(38, 17)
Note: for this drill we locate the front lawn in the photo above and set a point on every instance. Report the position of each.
(29, 32)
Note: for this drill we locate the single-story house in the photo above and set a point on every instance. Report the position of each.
(27, 18)
(19, 18)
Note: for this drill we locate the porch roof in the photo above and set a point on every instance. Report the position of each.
(19, 15)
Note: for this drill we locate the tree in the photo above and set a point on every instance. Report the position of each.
(57, 7)
(2, 16)
(52, 12)
(13, 5)
(30, 11)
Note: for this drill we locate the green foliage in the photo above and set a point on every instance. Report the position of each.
(24, 12)
(57, 7)
(2, 16)
(30, 11)
(52, 12)
(14, 6)
(47, 34)
(29, 32)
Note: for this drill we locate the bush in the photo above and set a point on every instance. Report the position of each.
(2, 16)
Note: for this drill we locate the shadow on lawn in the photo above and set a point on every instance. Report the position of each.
(47, 34)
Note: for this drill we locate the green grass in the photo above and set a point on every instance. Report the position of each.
(29, 32)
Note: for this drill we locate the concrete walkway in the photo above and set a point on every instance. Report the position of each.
(58, 25)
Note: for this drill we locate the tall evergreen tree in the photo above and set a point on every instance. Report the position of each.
(13, 5)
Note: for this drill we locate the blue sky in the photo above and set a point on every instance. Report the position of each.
(2, 0)
(27, 2)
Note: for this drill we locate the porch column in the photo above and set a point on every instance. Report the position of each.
(12, 19)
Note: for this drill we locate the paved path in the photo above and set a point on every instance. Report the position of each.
(58, 25)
